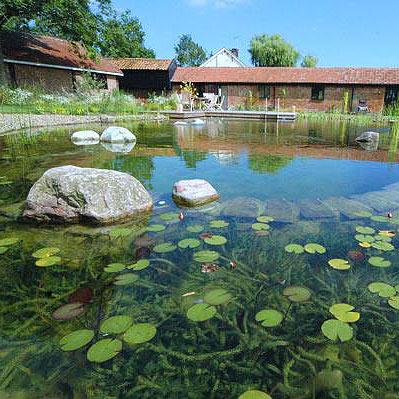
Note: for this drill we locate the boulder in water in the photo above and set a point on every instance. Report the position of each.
(116, 134)
(85, 137)
(194, 192)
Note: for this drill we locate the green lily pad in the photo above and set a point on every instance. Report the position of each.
(313, 248)
(365, 230)
(140, 265)
(121, 232)
(201, 312)
(218, 296)
(155, 228)
(195, 228)
(50, 261)
(379, 261)
(164, 248)
(254, 394)
(383, 246)
(264, 219)
(339, 264)
(3, 250)
(218, 224)
(394, 302)
(189, 243)
(269, 317)
(337, 330)
(216, 240)
(169, 216)
(382, 238)
(114, 268)
(382, 219)
(206, 256)
(260, 226)
(382, 289)
(140, 333)
(68, 311)
(296, 293)
(116, 324)
(76, 340)
(104, 350)
(7, 242)
(363, 214)
(45, 252)
(343, 312)
(294, 248)
(126, 279)
(364, 238)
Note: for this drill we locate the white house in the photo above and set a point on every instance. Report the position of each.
(224, 58)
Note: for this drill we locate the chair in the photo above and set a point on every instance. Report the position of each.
(212, 101)
(219, 104)
(186, 100)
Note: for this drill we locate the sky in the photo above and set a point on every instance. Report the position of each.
(338, 32)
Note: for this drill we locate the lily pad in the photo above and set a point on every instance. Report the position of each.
(155, 228)
(195, 228)
(382, 289)
(189, 243)
(264, 219)
(140, 333)
(363, 214)
(365, 230)
(169, 216)
(82, 294)
(121, 232)
(339, 264)
(296, 293)
(206, 256)
(337, 330)
(126, 279)
(382, 219)
(254, 394)
(114, 268)
(383, 246)
(313, 248)
(7, 242)
(50, 261)
(343, 312)
(379, 261)
(3, 250)
(76, 339)
(364, 238)
(379, 237)
(218, 224)
(294, 248)
(104, 350)
(140, 265)
(260, 226)
(386, 233)
(216, 240)
(45, 252)
(164, 248)
(116, 324)
(218, 296)
(69, 311)
(394, 302)
(201, 312)
(269, 317)
(365, 244)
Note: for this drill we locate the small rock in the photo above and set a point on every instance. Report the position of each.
(194, 192)
(116, 134)
(85, 137)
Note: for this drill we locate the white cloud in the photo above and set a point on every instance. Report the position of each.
(216, 3)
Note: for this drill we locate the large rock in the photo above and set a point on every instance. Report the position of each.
(85, 137)
(116, 134)
(194, 192)
(367, 137)
(69, 194)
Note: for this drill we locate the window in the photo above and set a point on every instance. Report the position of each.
(264, 91)
(318, 92)
(391, 95)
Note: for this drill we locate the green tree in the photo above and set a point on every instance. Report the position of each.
(189, 53)
(309, 61)
(272, 51)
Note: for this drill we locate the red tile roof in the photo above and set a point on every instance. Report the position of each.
(142, 63)
(25, 47)
(366, 76)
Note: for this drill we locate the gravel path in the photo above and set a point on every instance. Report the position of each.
(10, 122)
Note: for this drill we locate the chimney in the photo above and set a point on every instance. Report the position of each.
(235, 51)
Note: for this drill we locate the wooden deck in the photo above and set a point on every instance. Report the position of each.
(259, 115)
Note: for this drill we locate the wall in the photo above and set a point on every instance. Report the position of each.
(112, 82)
(144, 82)
(221, 60)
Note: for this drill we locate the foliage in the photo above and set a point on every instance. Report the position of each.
(188, 52)
(272, 51)
(189, 88)
(309, 61)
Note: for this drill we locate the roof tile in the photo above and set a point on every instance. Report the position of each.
(142, 63)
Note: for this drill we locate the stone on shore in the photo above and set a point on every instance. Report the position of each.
(69, 194)
(116, 134)
(85, 137)
(194, 192)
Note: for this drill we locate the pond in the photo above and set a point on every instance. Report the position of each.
(288, 287)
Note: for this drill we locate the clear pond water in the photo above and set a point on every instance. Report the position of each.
(289, 285)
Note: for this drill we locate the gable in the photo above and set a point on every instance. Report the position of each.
(223, 58)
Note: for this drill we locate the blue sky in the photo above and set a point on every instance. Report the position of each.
(338, 32)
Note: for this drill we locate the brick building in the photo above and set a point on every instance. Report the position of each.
(313, 89)
(52, 64)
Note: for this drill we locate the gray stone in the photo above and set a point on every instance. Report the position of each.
(347, 207)
(85, 137)
(243, 207)
(116, 134)
(281, 210)
(368, 137)
(315, 209)
(69, 194)
(194, 192)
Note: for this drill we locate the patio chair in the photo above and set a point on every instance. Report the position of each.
(186, 101)
(212, 101)
(219, 104)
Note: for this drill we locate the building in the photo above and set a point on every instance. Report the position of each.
(224, 58)
(313, 89)
(51, 63)
(144, 76)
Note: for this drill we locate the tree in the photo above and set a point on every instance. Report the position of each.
(188, 52)
(272, 51)
(309, 61)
